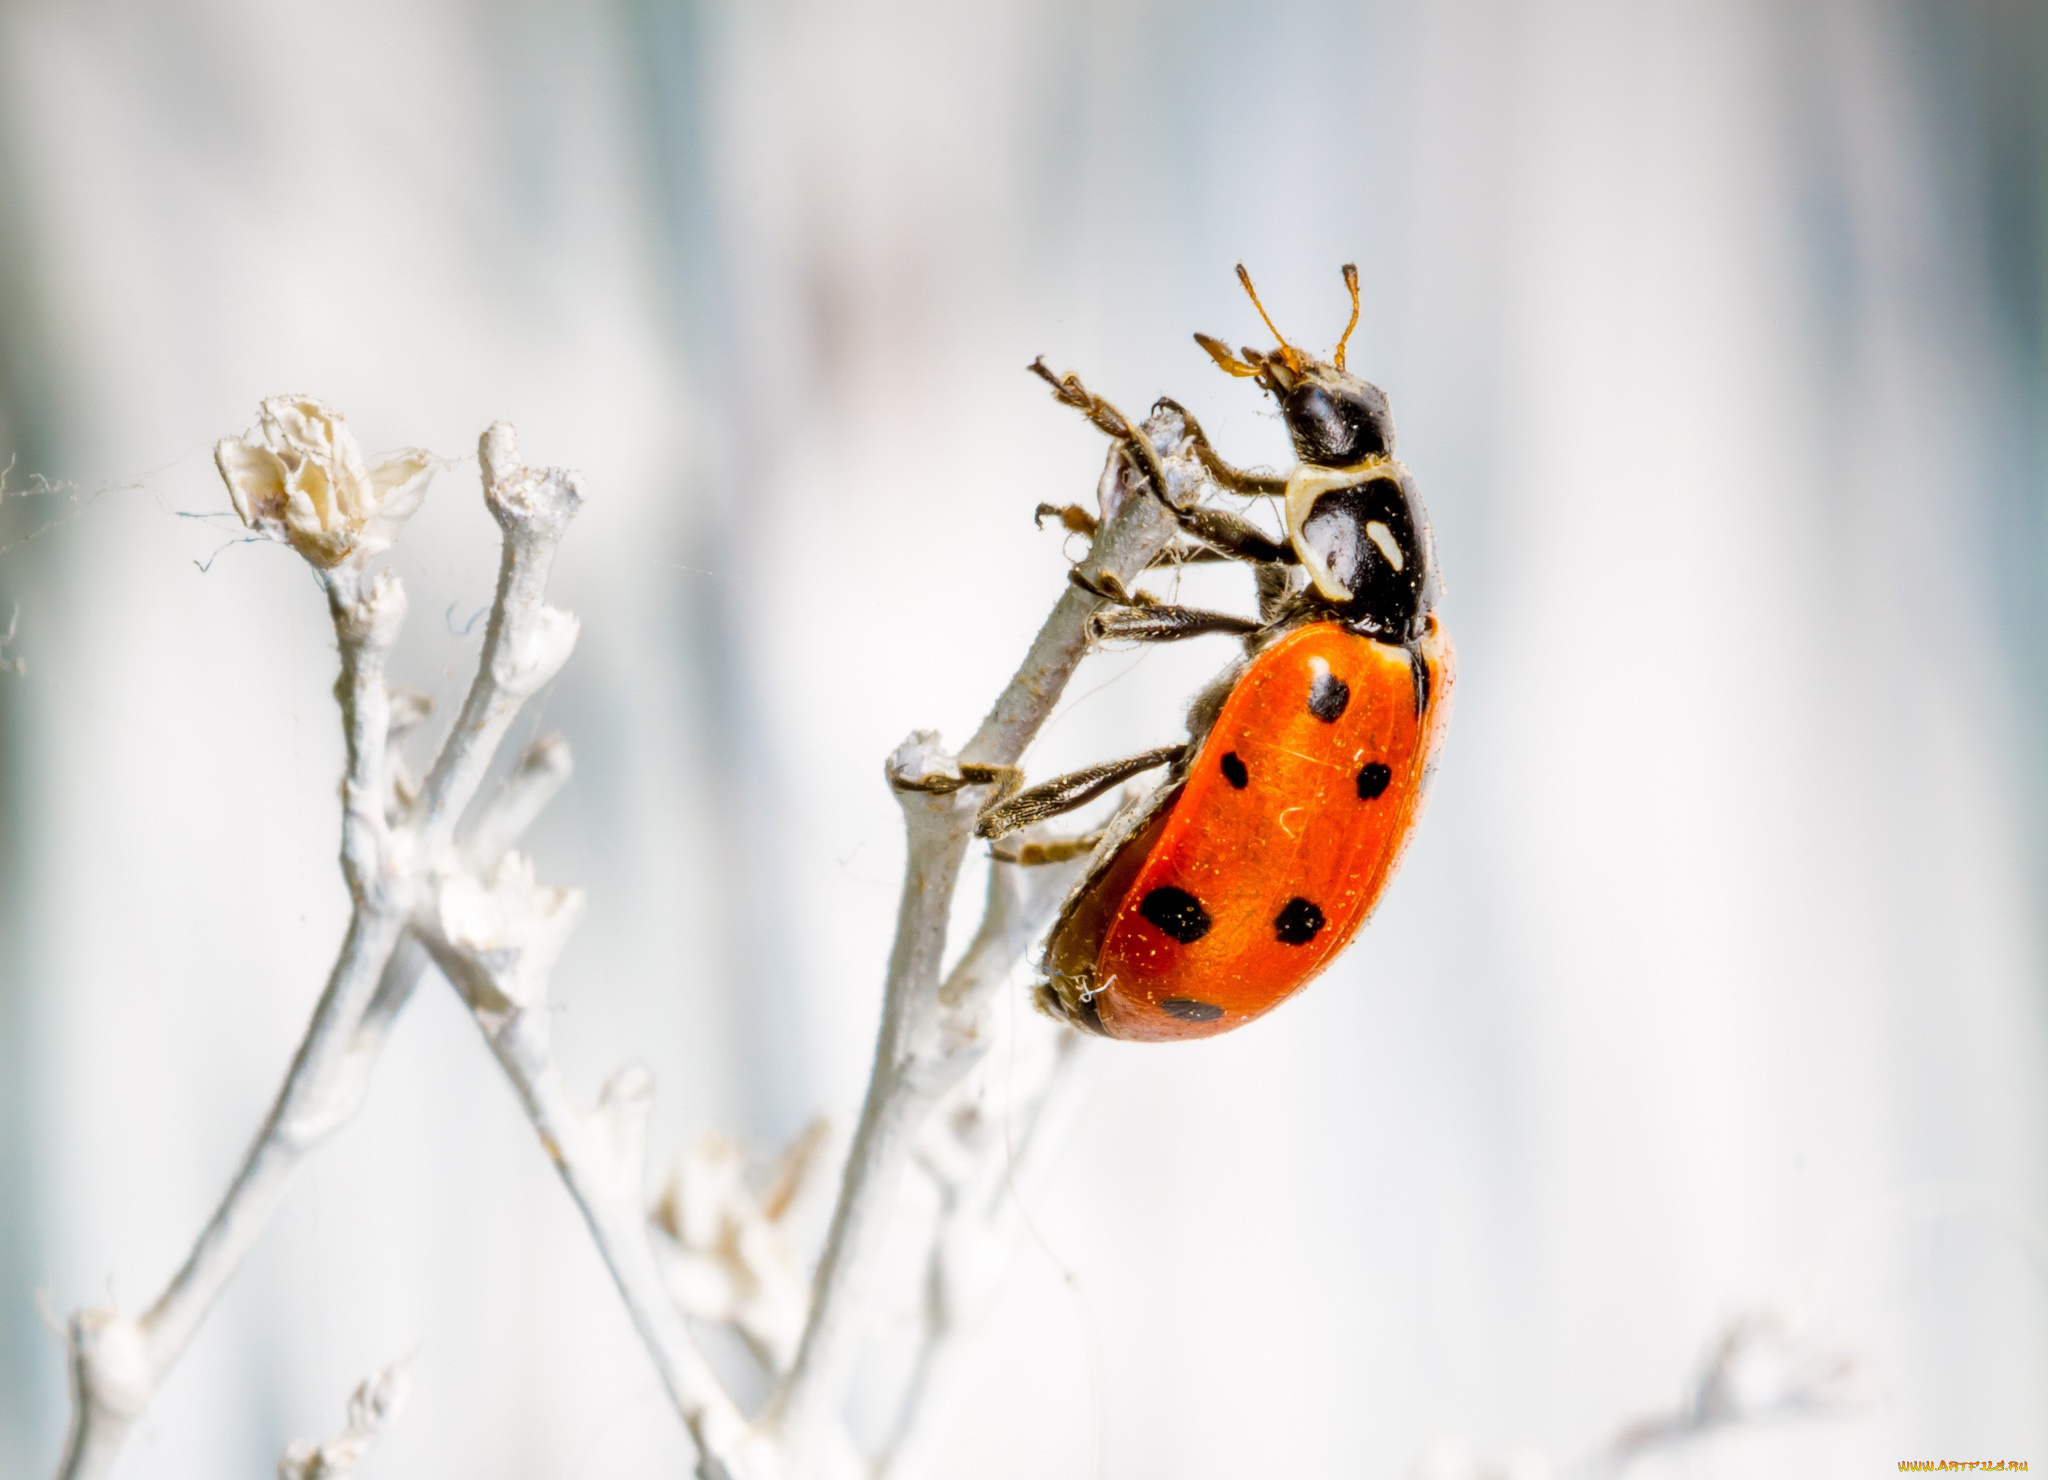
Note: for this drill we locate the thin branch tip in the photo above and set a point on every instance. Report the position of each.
(497, 451)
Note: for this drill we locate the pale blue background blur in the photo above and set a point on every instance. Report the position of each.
(1718, 338)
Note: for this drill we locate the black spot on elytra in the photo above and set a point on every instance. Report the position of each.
(1234, 771)
(1178, 913)
(1298, 923)
(1372, 780)
(1328, 697)
(1188, 1010)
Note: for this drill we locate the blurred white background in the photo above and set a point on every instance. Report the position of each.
(1718, 337)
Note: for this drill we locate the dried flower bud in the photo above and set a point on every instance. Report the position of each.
(380, 1398)
(373, 1407)
(507, 930)
(302, 480)
(730, 1254)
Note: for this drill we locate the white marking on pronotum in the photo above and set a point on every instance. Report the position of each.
(1305, 485)
(1384, 538)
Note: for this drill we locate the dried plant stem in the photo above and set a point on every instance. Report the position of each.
(118, 1361)
(388, 854)
(971, 1248)
(495, 940)
(601, 1156)
(917, 1058)
(981, 1151)
(426, 886)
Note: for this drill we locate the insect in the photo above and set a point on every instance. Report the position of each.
(1280, 821)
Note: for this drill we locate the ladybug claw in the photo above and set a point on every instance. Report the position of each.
(1108, 585)
(921, 764)
(1072, 517)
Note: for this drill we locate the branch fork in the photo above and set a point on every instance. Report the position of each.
(301, 481)
(433, 879)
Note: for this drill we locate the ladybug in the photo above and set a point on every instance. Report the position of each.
(1230, 886)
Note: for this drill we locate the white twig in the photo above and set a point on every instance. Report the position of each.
(426, 884)
(496, 939)
(118, 1361)
(926, 1046)
(503, 818)
(1758, 1368)
(375, 1406)
(731, 1255)
(388, 850)
(527, 641)
(496, 942)
(982, 1149)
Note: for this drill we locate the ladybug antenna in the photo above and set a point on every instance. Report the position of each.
(1220, 353)
(1287, 351)
(1351, 282)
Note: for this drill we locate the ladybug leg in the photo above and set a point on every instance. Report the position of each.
(1065, 793)
(1005, 780)
(1077, 520)
(1167, 624)
(1045, 850)
(1068, 391)
(1276, 588)
(1072, 517)
(1232, 535)
(1251, 485)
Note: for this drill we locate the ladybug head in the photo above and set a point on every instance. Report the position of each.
(1335, 419)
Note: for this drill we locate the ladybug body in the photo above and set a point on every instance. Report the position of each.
(1280, 822)
(1247, 873)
